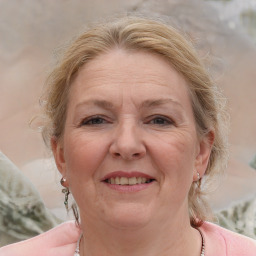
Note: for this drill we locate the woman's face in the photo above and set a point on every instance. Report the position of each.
(130, 150)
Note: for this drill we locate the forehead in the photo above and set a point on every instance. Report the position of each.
(130, 63)
(137, 72)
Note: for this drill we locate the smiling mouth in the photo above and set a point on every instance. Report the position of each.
(124, 181)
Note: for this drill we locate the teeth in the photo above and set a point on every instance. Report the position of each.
(117, 180)
(124, 181)
(132, 181)
(128, 181)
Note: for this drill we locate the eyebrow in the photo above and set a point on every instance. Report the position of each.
(158, 102)
(100, 103)
(145, 104)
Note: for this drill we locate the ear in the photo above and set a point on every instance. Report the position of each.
(203, 154)
(58, 153)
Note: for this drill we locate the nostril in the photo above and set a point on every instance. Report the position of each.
(126, 156)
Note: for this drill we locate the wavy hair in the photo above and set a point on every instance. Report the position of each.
(154, 36)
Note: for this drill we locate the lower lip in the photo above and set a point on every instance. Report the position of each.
(129, 188)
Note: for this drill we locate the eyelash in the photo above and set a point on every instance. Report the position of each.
(93, 120)
(167, 121)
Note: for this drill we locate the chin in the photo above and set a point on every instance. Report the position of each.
(129, 216)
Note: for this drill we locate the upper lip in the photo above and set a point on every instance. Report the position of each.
(127, 175)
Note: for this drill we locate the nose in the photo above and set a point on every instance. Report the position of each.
(127, 142)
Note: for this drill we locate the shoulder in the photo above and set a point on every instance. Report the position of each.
(220, 241)
(60, 240)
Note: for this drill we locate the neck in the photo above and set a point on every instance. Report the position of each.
(167, 238)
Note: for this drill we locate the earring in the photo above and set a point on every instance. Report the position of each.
(199, 180)
(65, 191)
(198, 176)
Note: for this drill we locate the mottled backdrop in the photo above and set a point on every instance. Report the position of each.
(32, 30)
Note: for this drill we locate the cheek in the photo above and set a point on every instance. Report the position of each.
(84, 154)
(174, 156)
(174, 162)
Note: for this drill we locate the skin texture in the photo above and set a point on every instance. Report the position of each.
(131, 111)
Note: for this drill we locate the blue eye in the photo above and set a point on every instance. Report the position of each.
(162, 121)
(93, 121)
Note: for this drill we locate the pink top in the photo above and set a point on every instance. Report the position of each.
(61, 241)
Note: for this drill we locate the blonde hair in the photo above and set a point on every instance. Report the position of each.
(143, 34)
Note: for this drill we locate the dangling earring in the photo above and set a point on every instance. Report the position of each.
(198, 180)
(198, 176)
(66, 191)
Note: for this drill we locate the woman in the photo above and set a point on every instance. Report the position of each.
(135, 129)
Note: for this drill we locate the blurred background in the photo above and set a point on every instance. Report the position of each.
(32, 31)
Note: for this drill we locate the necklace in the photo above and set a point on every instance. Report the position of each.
(203, 243)
(77, 251)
